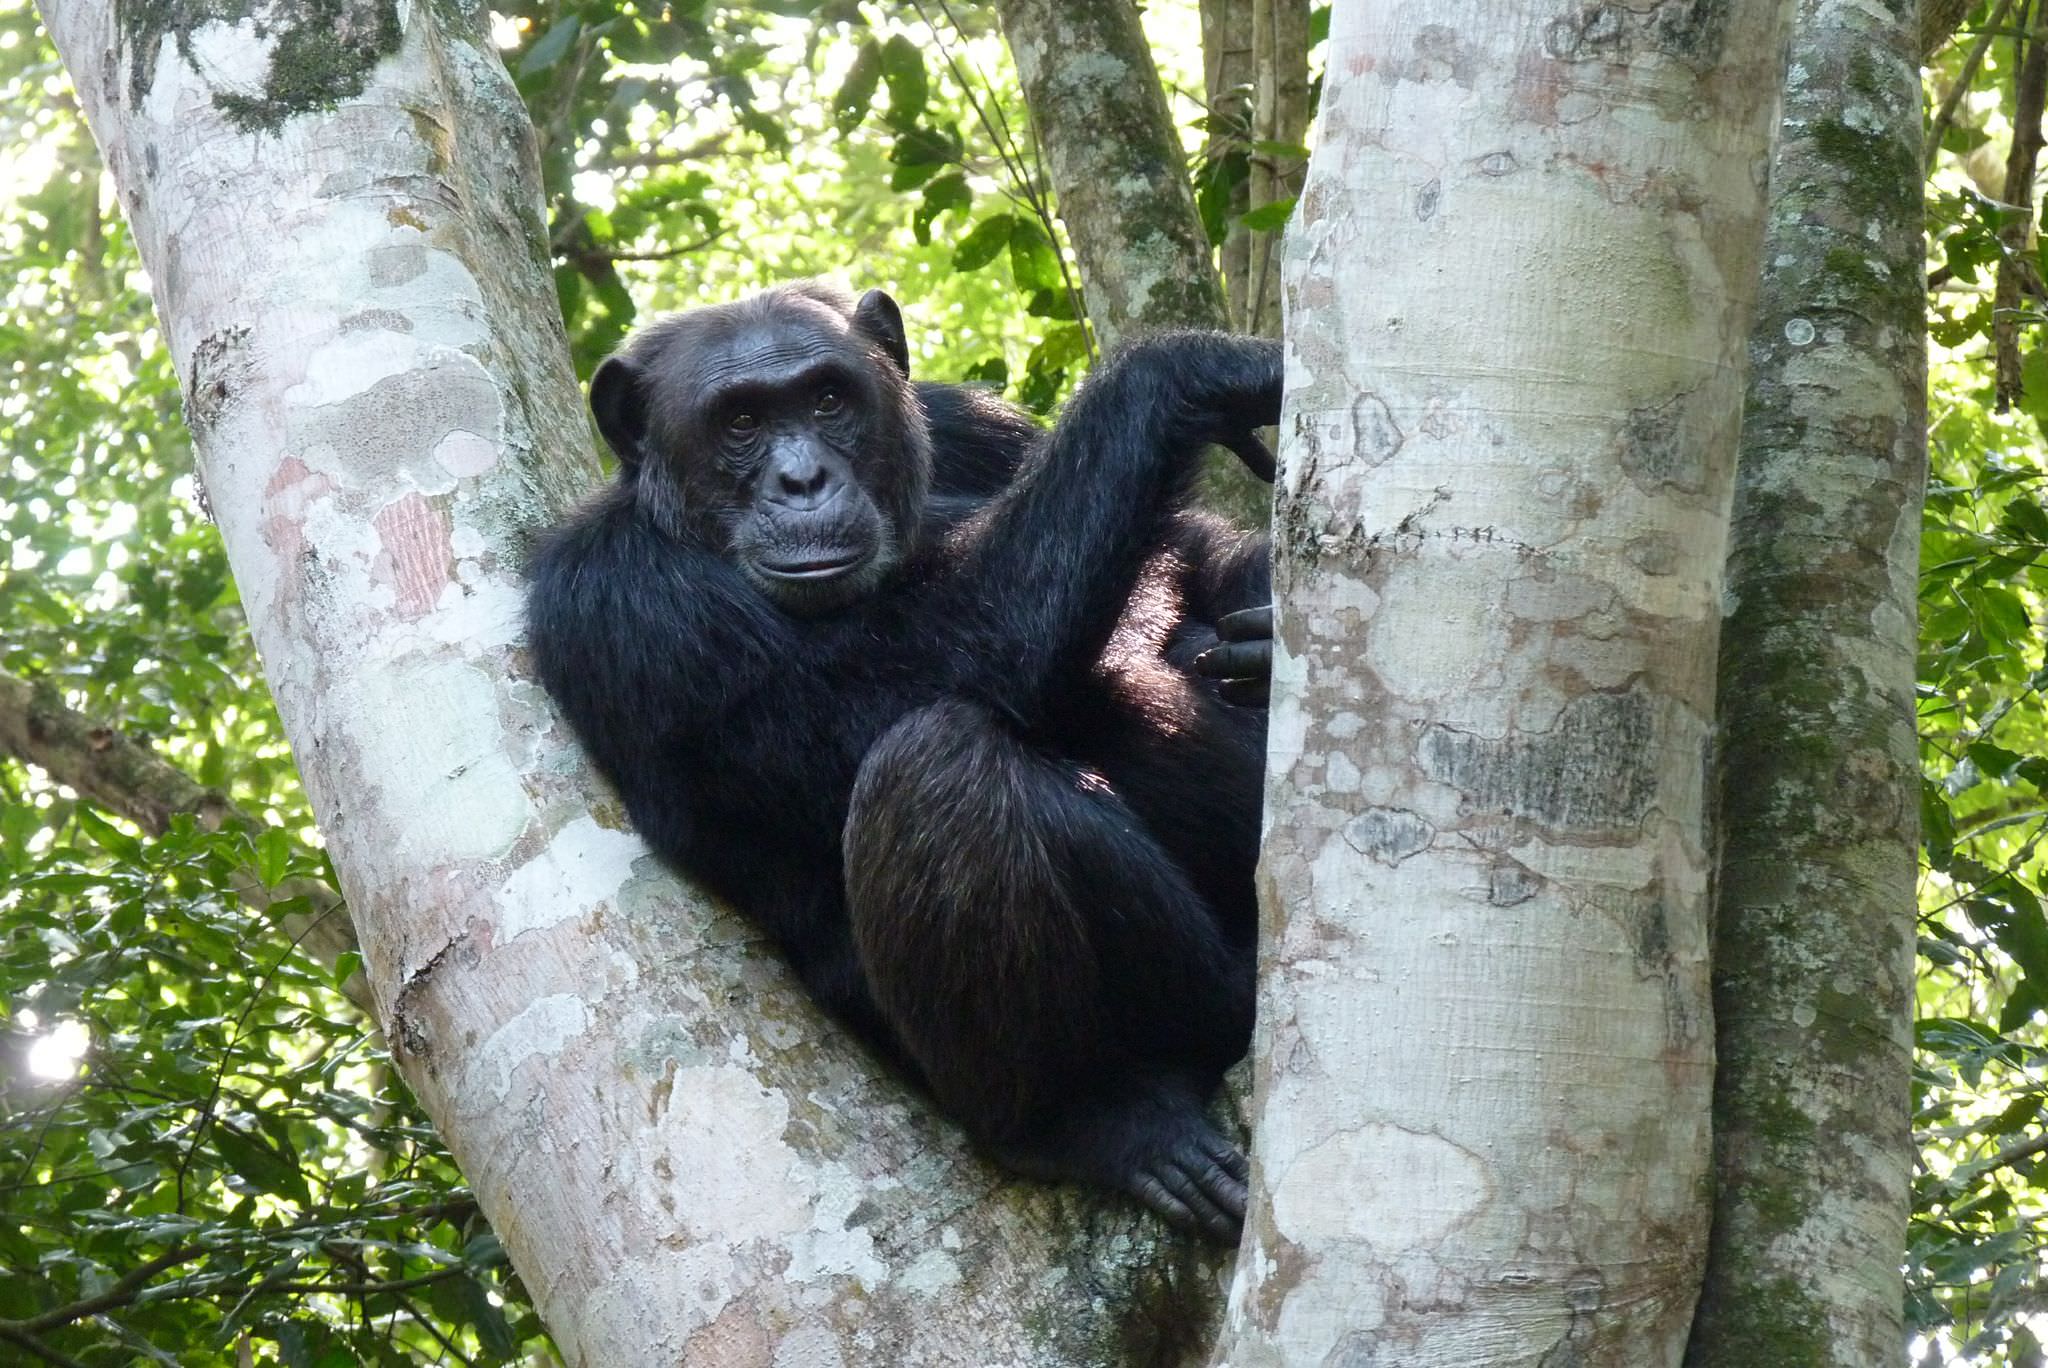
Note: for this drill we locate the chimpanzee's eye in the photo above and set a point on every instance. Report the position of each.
(743, 422)
(829, 401)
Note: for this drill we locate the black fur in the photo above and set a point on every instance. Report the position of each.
(914, 686)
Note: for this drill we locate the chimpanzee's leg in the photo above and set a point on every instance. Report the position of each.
(1066, 992)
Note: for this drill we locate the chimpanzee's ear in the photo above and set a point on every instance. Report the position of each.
(878, 319)
(618, 400)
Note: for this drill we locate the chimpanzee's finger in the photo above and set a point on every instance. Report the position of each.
(1246, 624)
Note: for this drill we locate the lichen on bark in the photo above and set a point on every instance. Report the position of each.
(1120, 179)
(321, 52)
(1813, 949)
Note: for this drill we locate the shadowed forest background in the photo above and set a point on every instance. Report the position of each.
(204, 1156)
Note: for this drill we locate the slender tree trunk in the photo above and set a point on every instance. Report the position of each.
(1813, 961)
(1280, 116)
(1115, 157)
(1122, 185)
(1229, 81)
(341, 216)
(1518, 292)
(126, 777)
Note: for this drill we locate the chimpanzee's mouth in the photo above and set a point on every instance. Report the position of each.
(819, 565)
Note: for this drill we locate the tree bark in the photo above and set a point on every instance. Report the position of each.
(1280, 115)
(1230, 89)
(1101, 117)
(1813, 962)
(341, 218)
(1121, 182)
(1518, 289)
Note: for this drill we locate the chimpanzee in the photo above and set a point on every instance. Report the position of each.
(938, 700)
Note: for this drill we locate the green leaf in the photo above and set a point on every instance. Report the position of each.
(1033, 263)
(1217, 183)
(1937, 826)
(2024, 519)
(1056, 303)
(260, 1166)
(993, 370)
(857, 91)
(948, 192)
(984, 242)
(1268, 217)
(486, 1319)
(1996, 761)
(1060, 347)
(1286, 150)
(273, 855)
(909, 87)
(551, 47)
(107, 836)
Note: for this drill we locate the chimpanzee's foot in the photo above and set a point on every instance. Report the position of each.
(1159, 1148)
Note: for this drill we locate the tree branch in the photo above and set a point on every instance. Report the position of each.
(124, 1290)
(129, 779)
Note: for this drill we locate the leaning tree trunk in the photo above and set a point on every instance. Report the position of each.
(1813, 958)
(1100, 114)
(1518, 292)
(1121, 181)
(342, 221)
(126, 776)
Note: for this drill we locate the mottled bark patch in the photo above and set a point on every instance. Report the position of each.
(322, 51)
(1586, 774)
(416, 559)
(220, 368)
(1692, 31)
(1388, 835)
(1656, 449)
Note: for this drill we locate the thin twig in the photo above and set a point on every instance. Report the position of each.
(1029, 178)
(1954, 99)
(122, 1292)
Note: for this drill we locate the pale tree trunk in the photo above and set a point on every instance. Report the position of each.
(1518, 293)
(685, 1163)
(1230, 89)
(1813, 954)
(1280, 114)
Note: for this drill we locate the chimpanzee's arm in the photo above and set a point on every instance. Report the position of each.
(642, 639)
(1044, 574)
(978, 440)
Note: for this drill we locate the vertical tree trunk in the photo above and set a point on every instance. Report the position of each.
(1115, 157)
(1518, 293)
(1280, 115)
(1121, 180)
(1813, 961)
(341, 215)
(1230, 81)
(1255, 68)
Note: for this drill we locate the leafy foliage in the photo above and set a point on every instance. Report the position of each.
(1974, 1265)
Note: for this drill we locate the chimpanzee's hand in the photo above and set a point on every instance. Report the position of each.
(1242, 663)
(1225, 388)
(1246, 389)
